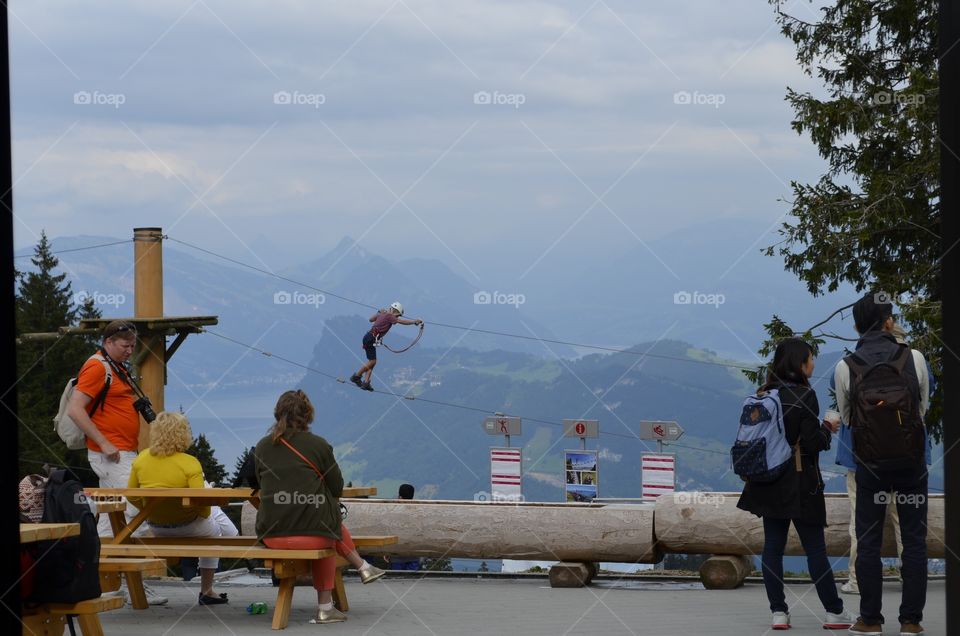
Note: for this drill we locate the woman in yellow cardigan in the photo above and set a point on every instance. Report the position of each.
(165, 465)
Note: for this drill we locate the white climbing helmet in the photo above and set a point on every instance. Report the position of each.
(398, 307)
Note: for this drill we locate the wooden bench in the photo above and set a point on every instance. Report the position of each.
(113, 568)
(286, 564)
(49, 619)
(339, 591)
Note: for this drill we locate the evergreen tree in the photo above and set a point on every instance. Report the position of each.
(44, 304)
(873, 218)
(238, 465)
(213, 471)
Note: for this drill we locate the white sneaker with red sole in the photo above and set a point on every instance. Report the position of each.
(781, 621)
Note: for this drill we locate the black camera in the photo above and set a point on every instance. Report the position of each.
(144, 408)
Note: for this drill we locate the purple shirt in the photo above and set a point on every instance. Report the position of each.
(382, 324)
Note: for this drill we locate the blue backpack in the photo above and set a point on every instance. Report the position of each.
(761, 453)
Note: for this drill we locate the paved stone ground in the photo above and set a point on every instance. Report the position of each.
(488, 606)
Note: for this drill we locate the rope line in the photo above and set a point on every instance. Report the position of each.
(630, 351)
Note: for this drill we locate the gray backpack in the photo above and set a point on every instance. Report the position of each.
(63, 424)
(761, 453)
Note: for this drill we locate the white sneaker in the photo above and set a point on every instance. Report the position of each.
(781, 620)
(843, 620)
(152, 597)
(850, 587)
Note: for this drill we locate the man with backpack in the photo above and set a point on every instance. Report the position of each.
(882, 393)
(102, 406)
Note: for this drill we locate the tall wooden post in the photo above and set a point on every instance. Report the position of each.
(148, 303)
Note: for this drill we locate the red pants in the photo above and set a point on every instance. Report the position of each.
(324, 570)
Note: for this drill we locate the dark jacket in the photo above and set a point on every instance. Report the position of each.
(293, 500)
(796, 495)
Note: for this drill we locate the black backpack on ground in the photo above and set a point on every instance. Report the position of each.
(67, 570)
(888, 431)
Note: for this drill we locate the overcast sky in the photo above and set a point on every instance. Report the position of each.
(495, 135)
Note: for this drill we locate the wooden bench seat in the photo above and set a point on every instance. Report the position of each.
(286, 564)
(50, 618)
(112, 569)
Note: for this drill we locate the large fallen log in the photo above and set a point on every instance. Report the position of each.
(493, 530)
(711, 523)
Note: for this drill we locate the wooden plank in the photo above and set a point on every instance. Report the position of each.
(110, 581)
(287, 568)
(41, 623)
(33, 532)
(148, 567)
(108, 506)
(91, 606)
(222, 551)
(209, 493)
(371, 541)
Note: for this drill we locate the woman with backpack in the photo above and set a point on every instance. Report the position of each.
(796, 496)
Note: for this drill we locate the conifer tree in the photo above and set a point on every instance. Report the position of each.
(45, 302)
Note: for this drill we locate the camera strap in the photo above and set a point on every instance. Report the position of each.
(122, 372)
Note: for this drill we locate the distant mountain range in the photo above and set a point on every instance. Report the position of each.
(229, 390)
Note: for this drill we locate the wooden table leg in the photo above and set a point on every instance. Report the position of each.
(42, 623)
(138, 597)
(90, 625)
(129, 528)
(340, 592)
(281, 613)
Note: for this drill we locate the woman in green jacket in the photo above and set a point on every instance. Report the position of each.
(300, 488)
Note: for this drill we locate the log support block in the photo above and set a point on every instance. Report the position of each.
(566, 574)
(725, 572)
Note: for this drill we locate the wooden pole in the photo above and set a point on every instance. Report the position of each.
(148, 303)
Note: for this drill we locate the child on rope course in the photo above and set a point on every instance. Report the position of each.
(382, 321)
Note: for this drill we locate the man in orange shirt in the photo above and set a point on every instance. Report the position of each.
(112, 426)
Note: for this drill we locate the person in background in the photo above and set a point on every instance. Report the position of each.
(382, 321)
(106, 415)
(300, 489)
(166, 465)
(405, 563)
(876, 434)
(797, 496)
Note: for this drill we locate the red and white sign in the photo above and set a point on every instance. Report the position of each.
(658, 475)
(506, 474)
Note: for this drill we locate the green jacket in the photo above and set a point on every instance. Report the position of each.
(293, 500)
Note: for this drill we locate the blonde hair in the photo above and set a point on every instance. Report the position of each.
(169, 434)
(293, 412)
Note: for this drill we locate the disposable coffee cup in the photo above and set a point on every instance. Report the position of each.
(832, 416)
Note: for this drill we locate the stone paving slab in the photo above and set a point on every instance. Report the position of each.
(484, 606)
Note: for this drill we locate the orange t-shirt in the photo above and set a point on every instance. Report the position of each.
(118, 420)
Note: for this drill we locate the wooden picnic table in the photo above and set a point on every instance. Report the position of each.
(33, 532)
(189, 497)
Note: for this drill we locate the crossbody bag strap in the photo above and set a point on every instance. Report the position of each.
(301, 456)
